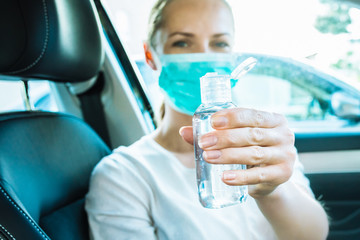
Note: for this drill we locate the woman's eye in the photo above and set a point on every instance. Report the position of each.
(222, 44)
(180, 44)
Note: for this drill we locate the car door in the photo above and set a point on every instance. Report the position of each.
(332, 160)
(328, 143)
(327, 139)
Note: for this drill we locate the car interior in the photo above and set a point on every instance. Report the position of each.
(46, 157)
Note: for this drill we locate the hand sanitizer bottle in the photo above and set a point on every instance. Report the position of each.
(215, 96)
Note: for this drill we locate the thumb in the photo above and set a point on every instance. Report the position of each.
(187, 134)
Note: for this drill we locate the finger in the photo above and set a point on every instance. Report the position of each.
(272, 175)
(241, 137)
(254, 155)
(187, 134)
(243, 117)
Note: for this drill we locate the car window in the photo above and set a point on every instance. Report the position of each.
(292, 100)
(12, 95)
(308, 51)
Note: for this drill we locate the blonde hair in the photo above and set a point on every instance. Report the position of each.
(156, 20)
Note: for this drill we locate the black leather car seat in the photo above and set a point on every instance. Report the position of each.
(46, 158)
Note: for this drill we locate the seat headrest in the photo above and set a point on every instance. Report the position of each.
(57, 40)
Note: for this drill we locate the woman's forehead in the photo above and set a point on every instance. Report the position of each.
(199, 15)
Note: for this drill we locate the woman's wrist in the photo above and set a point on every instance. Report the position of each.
(276, 194)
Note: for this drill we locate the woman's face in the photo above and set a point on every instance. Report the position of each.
(200, 26)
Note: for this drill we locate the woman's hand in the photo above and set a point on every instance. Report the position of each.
(260, 140)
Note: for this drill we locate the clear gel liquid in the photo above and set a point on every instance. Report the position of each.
(213, 192)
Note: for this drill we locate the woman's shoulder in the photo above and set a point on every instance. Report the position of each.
(123, 155)
(122, 166)
(142, 147)
(126, 159)
(115, 176)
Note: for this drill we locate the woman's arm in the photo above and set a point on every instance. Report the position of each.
(293, 213)
(116, 202)
(264, 143)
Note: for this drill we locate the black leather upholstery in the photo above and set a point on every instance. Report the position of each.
(46, 158)
(45, 163)
(57, 40)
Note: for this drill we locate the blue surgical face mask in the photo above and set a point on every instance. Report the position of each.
(180, 76)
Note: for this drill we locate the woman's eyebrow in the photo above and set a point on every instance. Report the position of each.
(186, 34)
(221, 35)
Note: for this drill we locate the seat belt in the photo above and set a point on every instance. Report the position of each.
(93, 109)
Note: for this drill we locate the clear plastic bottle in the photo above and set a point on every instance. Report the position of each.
(213, 192)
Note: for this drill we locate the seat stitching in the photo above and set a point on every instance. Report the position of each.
(23, 213)
(44, 45)
(7, 232)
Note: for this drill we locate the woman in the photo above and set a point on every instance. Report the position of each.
(148, 190)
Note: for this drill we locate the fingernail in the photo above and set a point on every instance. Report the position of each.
(212, 154)
(219, 121)
(229, 176)
(181, 132)
(207, 141)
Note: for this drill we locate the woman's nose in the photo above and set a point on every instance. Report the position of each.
(203, 48)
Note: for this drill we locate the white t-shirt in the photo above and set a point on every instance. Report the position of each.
(143, 192)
